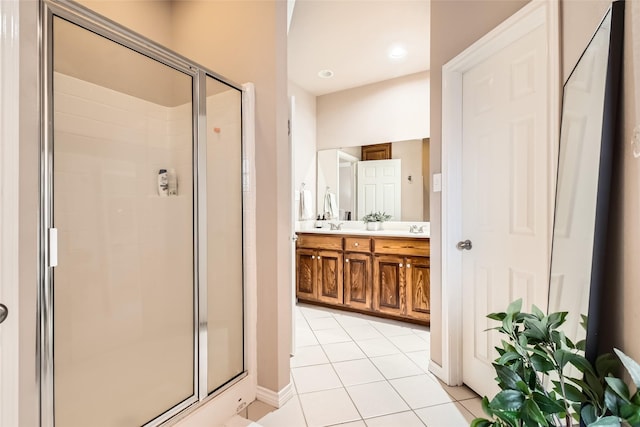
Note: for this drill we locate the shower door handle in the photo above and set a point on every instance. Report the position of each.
(4, 312)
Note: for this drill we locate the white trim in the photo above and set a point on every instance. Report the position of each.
(275, 399)
(531, 16)
(9, 208)
(250, 239)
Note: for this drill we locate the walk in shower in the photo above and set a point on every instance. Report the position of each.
(142, 296)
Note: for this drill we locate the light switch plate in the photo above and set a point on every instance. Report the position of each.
(437, 182)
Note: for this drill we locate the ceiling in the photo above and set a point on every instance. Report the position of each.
(353, 38)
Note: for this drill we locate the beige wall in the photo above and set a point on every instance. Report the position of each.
(303, 138)
(392, 110)
(476, 18)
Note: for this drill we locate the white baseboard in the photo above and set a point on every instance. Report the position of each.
(275, 399)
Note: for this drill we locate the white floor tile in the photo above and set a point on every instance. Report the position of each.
(238, 421)
(377, 347)
(356, 372)
(449, 415)
(305, 338)
(289, 415)
(401, 419)
(407, 343)
(351, 424)
(258, 409)
(422, 333)
(362, 332)
(315, 378)
(420, 358)
(376, 399)
(341, 351)
(474, 406)
(328, 336)
(420, 391)
(324, 408)
(323, 323)
(312, 312)
(349, 320)
(307, 356)
(391, 330)
(396, 366)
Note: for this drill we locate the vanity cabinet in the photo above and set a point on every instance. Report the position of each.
(383, 276)
(319, 264)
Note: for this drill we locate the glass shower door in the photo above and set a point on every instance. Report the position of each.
(123, 289)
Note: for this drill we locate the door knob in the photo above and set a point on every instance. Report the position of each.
(464, 245)
(4, 312)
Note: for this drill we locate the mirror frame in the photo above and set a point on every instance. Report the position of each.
(608, 138)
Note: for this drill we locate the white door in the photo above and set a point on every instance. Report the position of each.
(294, 207)
(504, 195)
(379, 187)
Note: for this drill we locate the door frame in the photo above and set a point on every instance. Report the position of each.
(531, 16)
(9, 210)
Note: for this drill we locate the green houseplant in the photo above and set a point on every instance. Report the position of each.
(537, 388)
(374, 220)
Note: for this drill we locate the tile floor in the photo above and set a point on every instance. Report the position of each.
(352, 370)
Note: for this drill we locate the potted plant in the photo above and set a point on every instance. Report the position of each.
(374, 220)
(538, 389)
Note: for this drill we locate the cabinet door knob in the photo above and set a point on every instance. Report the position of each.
(400, 265)
(313, 257)
(356, 244)
(408, 265)
(346, 260)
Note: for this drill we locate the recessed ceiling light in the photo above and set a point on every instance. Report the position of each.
(325, 74)
(397, 52)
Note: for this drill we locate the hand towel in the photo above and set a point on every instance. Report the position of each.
(330, 206)
(306, 211)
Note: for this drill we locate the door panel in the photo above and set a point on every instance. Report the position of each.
(330, 287)
(389, 284)
(419, 287)
(379, 187)
(505, 195)
(306, 273)
(357, 277)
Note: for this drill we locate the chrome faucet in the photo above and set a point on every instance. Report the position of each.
(416, 229)
(335, 226)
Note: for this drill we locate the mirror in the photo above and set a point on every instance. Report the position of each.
(338, 170)
(587, 134)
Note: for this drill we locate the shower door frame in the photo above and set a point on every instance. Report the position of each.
(241, 388)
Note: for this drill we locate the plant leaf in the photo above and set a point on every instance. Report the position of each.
(535, 329)
(581, 363)
(510, 400)
(571, 393)
(515, 306)
(588, 414)
(612, 401)
(497, 316)
(507, 377)
(631, 365)
(619, 387)
(481, 422)
(546, 404)
(508, 356)
(485, 406)
(606, 364)
(562, 357)
(537, 312)
(541, 363)
(532, 411)
(557, 319)
(631, 413)
(610, 421)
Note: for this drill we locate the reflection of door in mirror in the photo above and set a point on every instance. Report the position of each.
(379, 188)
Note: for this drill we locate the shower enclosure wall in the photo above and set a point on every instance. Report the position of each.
(142, 297)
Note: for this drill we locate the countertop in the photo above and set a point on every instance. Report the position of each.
(357, 228)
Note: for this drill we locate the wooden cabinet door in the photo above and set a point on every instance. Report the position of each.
(329, 277)
(418, 288)
(357, 280)
(389, 292)
(306, 275)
